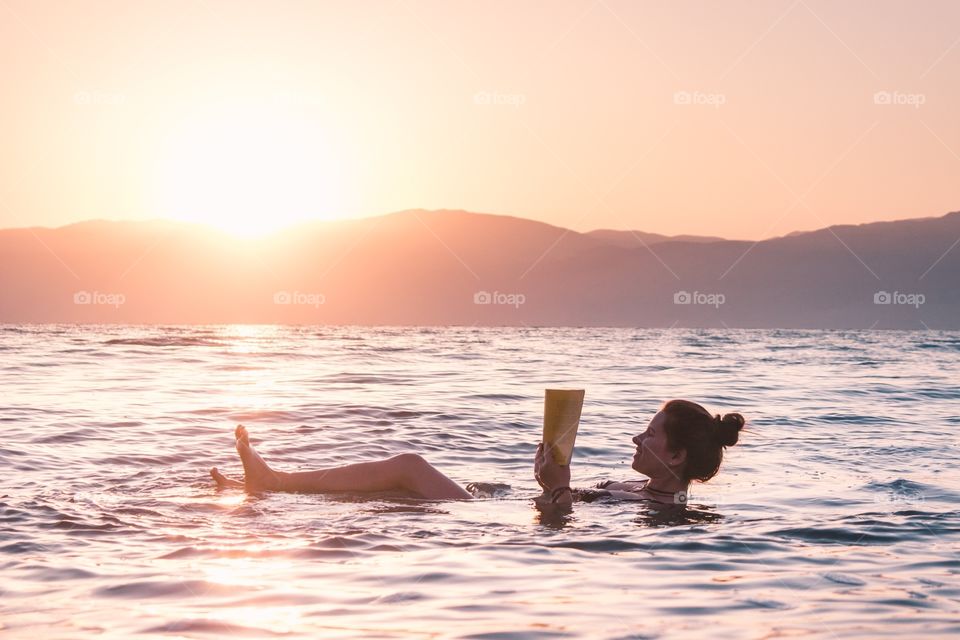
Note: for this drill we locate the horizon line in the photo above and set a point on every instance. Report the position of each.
(320, 220)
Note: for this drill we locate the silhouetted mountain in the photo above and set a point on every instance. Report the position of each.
(632, 239)
(456, 267)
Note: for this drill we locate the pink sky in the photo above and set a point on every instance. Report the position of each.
(739, 119)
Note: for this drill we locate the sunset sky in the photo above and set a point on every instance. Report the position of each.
(738, 119)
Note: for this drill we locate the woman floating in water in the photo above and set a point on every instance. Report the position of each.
(682, 442)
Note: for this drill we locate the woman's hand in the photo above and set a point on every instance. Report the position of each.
(548, 473)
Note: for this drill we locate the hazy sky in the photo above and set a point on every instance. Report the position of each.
(740, 119)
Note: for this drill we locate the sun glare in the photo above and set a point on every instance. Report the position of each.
(250, 171)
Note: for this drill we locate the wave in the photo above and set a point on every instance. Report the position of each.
(364, 378)
(900, 486)
(945, 345)
(165, 589)
(264, 415)
(488, 489)
(166, 342)
(216, 627)
(835, 535)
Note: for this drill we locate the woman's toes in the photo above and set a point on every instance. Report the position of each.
(218, 477)
(223, 482)
(242, 436)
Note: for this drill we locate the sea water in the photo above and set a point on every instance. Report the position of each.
(837, 515)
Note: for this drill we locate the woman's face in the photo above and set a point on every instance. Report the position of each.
(653, 457)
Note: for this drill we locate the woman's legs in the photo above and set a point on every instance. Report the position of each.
(407, 471)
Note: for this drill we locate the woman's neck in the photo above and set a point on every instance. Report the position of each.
(666, 486)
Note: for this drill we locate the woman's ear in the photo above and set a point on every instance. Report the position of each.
(678, 457)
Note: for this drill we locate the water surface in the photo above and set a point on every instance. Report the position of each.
(838, 514)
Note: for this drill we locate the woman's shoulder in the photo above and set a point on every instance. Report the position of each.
(620, 494)
(626, 485)
(591, 495)
(627, 490)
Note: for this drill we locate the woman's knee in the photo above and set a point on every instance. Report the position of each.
(411, 460)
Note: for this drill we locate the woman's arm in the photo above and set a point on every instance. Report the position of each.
(555, 480)
(560, 498)
(625, 495)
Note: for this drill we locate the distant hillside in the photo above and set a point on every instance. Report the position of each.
(631, 239)
(457, 267)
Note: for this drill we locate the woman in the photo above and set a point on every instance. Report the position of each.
(682, 442)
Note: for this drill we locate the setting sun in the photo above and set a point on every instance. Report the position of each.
(249, 170)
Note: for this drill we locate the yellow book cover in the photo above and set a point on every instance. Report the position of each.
(561, 418)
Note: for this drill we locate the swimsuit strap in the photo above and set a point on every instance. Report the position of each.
(660, 491)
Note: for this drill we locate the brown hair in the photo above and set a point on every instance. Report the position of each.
(689, 426)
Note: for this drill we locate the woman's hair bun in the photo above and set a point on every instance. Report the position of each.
(728, 428)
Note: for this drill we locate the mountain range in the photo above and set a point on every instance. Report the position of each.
(442, 267)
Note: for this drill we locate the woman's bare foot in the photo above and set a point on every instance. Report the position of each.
(257, 475)
(223, 481)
